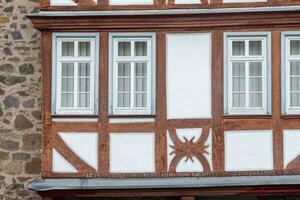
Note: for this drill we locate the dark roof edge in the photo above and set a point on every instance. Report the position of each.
(41, 185)
(164, 12)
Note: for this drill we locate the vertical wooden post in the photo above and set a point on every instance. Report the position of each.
(44, 4)
(161, 112)
(46, 101)
(276, 101)
(103, 104)
(217, 101)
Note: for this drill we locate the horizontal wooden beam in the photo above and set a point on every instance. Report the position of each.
(255, 20)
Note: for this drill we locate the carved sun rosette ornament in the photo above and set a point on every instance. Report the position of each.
(189, 149)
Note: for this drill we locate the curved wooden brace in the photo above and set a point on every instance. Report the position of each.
(85, 2)
(189, 149)
(294, 164)
(70, 156)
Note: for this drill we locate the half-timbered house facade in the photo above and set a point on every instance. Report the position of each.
(169, 98)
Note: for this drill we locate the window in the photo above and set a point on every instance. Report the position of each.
(132, 74)
(247, 74)
(291, 73)
(74, 74)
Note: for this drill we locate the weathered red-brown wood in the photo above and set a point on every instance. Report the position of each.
(162, 4)
(161, 105)
(228, 22)
(103, 104)
(276, 101)
(46, 101)
(217, 24)
(217, 101)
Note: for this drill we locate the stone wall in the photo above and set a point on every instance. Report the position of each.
(20, 112)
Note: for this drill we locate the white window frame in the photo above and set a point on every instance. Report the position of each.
(265, 37)
(57, 59)
(286, 37)
(114, 59)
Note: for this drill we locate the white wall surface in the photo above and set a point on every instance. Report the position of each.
(189, 166)
(60, 164)
(62, 3)
(85, 145)
(291, 145)
(248, 150)
(130, 2)
(188, 75)
(132, 152)
(187, 1)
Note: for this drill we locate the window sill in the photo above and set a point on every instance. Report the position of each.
(74, 116)
(131, 116)
(254, 116)
(290, 116)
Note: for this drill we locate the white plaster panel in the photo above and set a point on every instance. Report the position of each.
(132, 152)
(242, 1)
(188, 75)
(291, 145)
(187, 165)
(187, 1)
(60, 164)
(62, 3)
(130, 2)
(85, 145)
(248, 150)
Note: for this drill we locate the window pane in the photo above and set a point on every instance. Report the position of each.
(255, 84)
(84, 100)
(67, 100)
(295, 47)
(84, 85)
(141, 100)
(255, 100)
(84, 69)
(124, 84)
(140, 69)
(255, 48)
(67, 85)
(67, 69)
(124, 69)
(124, 49)
(141, 84)
(238, 48)
(295, 99)
(255, 68)
(67, 49)
(238, 84)
(140, 49)
(295, 83)
(123, 100)
(295, 68)
(238, 69)
(84, 49)
(239, 100)
(124, 77)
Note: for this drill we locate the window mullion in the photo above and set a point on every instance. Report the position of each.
(247, 84)
(76, 81)
(247, 48)
(132, 81)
